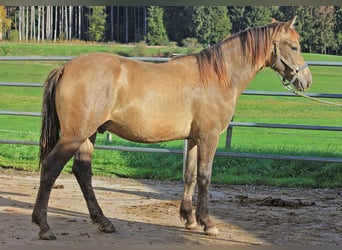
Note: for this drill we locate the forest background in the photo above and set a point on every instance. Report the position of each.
(196, 26)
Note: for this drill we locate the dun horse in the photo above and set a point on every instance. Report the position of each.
(191, 97)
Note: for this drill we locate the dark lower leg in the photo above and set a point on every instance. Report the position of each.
(82, 171)
(39, 215)
(202, 214)
(205, 161)
(51, 168)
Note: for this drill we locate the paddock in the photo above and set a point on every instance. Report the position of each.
(147, 213)
(307, 216)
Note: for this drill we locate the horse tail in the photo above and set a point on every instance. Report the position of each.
(50, 123)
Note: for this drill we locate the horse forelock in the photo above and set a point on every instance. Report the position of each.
(294, 34)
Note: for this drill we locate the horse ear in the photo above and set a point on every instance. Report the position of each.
(290, 24)
(274, 20)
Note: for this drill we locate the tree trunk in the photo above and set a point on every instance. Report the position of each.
(31, 22)
(48, 23)
(43, 23)
(27, 24)
(79, 22)
(66, 23)
(55, 27)
(38, 27)
(70, 22)
(20, 22)
(61, 15)
(23, 23)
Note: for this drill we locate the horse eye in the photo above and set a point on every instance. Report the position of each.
(294, 48)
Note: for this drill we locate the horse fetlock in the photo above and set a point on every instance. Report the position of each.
(35, 218)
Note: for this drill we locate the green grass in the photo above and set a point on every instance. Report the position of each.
(63, 49)
(288, 110)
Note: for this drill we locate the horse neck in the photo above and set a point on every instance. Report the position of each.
(242, 66)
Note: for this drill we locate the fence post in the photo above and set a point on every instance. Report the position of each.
(185, 156)
(229, 135)
(109, 138)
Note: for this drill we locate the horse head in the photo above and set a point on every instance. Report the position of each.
(286, 58)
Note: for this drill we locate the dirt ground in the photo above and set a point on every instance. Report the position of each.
(145, 212)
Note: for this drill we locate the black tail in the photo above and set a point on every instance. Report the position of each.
(50, 124)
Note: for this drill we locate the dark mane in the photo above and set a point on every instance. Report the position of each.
(211, 61)
(255, 42)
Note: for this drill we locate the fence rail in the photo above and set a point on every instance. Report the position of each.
(145, 59)
(178, 151)
(174, 151)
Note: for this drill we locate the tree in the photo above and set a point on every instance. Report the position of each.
(338, 31)
(221, 23)
(202, 22)
(178, 22)
(211, 23)
(324, 29)
(258, 16)
(5, 23)
(237, 16)
(304, 25)
(97, 23)
(156, 32)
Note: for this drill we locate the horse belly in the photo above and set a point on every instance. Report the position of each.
(149, 127)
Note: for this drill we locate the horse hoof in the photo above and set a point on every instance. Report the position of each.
(211, 231)
(108, 228)
(191, 226)
(48, 235)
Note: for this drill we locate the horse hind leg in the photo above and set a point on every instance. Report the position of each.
(51, 168)
(82, 171)
(190, 174)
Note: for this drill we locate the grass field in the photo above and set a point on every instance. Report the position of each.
(286, 110)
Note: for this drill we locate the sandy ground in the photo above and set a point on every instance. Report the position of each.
(145, 212)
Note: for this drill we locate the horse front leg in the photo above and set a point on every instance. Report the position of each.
(190, 174)
(207, 147)
(82, 171)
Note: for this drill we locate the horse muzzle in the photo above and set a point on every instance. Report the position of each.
(301, 78)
